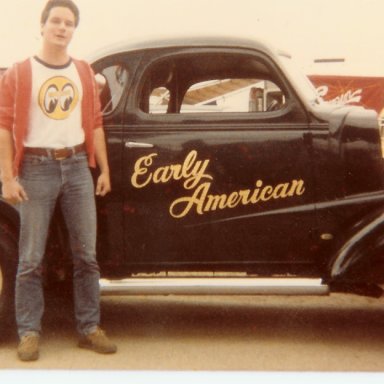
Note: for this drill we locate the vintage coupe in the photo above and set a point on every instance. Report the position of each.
(230, 176)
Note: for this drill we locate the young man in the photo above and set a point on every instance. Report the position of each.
(50, 134)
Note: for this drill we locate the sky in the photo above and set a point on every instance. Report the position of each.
(308, 29)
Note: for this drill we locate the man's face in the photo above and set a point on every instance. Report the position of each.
(59, 27)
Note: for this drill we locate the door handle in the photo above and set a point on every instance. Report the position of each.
(135, 144)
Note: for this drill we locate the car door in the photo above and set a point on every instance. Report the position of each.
(217, 164)
(113, 75)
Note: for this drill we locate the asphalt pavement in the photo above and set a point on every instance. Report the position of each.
(337, 333)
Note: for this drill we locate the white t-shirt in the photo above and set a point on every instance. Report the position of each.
(55, 110)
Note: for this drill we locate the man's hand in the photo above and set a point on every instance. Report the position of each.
(103, 184)
(13, 192)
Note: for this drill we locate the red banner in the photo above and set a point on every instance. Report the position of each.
(353, 90)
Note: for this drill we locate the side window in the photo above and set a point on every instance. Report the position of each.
(233, 95)
(112, 81)
(211, 83)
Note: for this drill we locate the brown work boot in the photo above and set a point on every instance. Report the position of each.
(97, 341)
(28, 349)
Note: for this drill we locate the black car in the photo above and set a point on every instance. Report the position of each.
(229, 175)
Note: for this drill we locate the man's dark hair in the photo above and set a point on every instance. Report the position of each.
(60, 3)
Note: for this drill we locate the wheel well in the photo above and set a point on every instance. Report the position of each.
(8, 266)
(9, 216)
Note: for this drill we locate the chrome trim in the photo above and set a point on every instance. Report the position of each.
(133, 144)
(213, 286)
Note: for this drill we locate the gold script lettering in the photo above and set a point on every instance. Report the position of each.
(195, 178)
(201, 201)
(187, 203)
(141, 168)
(193, 171)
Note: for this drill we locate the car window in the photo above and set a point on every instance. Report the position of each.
(112, 81)
(211, 83)
(233, 95)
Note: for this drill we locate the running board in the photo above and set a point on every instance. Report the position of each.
(213, 286)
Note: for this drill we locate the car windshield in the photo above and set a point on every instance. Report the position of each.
(300, 80)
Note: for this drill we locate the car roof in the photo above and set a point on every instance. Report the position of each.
(182, 42)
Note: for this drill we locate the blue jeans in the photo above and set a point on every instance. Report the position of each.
(69, 182)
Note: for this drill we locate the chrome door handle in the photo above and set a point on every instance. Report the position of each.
(135, 144)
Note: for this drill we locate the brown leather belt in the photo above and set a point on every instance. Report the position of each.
(56, 154)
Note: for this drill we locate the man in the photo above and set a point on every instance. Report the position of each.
(50, 134)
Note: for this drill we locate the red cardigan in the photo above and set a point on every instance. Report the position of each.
(15, 97)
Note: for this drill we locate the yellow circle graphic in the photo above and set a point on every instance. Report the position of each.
(58, 97)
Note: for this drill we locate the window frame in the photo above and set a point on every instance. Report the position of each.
(293, 103)
(129, 61)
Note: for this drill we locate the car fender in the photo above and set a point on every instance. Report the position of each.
(361, 256)
(9, 214)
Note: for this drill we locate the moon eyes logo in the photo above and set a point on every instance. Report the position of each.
(58, 97)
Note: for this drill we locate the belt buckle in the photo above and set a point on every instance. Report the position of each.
(59, 154)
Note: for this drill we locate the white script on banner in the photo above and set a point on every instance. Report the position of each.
(348, 97)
